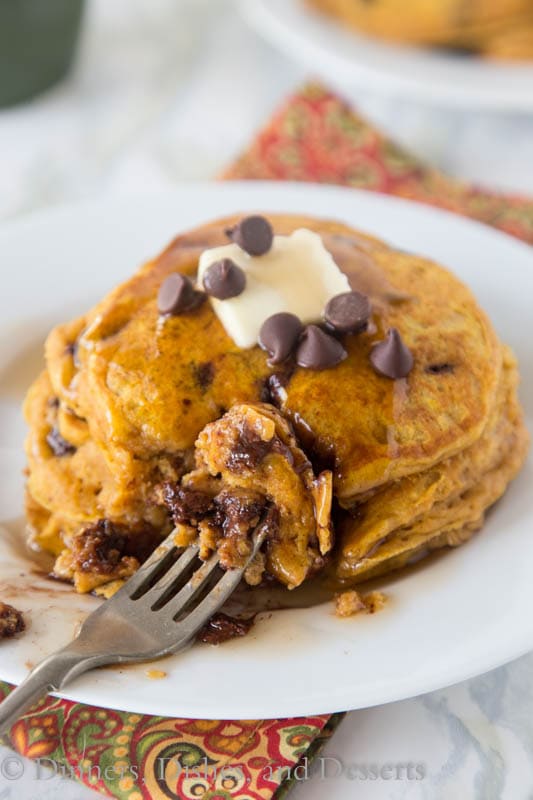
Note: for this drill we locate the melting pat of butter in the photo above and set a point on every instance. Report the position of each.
(297, 275)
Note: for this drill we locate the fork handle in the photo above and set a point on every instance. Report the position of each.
(48, 676)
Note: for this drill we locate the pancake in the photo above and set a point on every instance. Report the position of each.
(131, 402)
(496, 28)
(441, 506)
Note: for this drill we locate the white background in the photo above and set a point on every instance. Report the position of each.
(170, 90)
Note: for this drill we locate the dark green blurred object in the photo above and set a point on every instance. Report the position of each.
(37, 43)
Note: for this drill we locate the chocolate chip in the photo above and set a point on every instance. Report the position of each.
(185, 505)
(439, 369)
(391, 357)
(59, 445)
(237, 511)
(253, 234)
(220, 628)
(319, 350)
(248, 451)
(348, 312)
(204, 374)
(102, 546)
(264, 391)
(224, 279)
(176, 294)
(274, 389)
(279, 334)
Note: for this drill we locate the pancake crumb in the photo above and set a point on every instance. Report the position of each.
(11, 621)
(350, 602)
(375, 601)
(155, 674)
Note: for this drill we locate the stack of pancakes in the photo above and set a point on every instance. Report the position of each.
(496, 28)
(414, 463)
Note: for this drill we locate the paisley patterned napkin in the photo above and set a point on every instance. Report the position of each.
(315, 136)
(141, 757)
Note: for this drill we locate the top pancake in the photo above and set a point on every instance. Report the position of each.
(146, 386)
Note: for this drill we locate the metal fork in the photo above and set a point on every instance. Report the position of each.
(157, 612)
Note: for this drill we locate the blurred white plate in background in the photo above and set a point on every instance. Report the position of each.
(354, 62)
(456, 617)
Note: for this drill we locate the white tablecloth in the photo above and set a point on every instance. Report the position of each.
(170, 90)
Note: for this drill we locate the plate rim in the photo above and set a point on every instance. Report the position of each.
(43, 215)
(264, 17)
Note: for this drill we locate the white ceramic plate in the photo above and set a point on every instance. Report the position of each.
(465, 613)
(353, 61)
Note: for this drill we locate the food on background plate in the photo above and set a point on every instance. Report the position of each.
(493, 28)
(287, 369)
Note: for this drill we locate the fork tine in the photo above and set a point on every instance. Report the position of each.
(152, 565)
(211, 602)
(157, 583)
(194, 585)
(217, 594)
